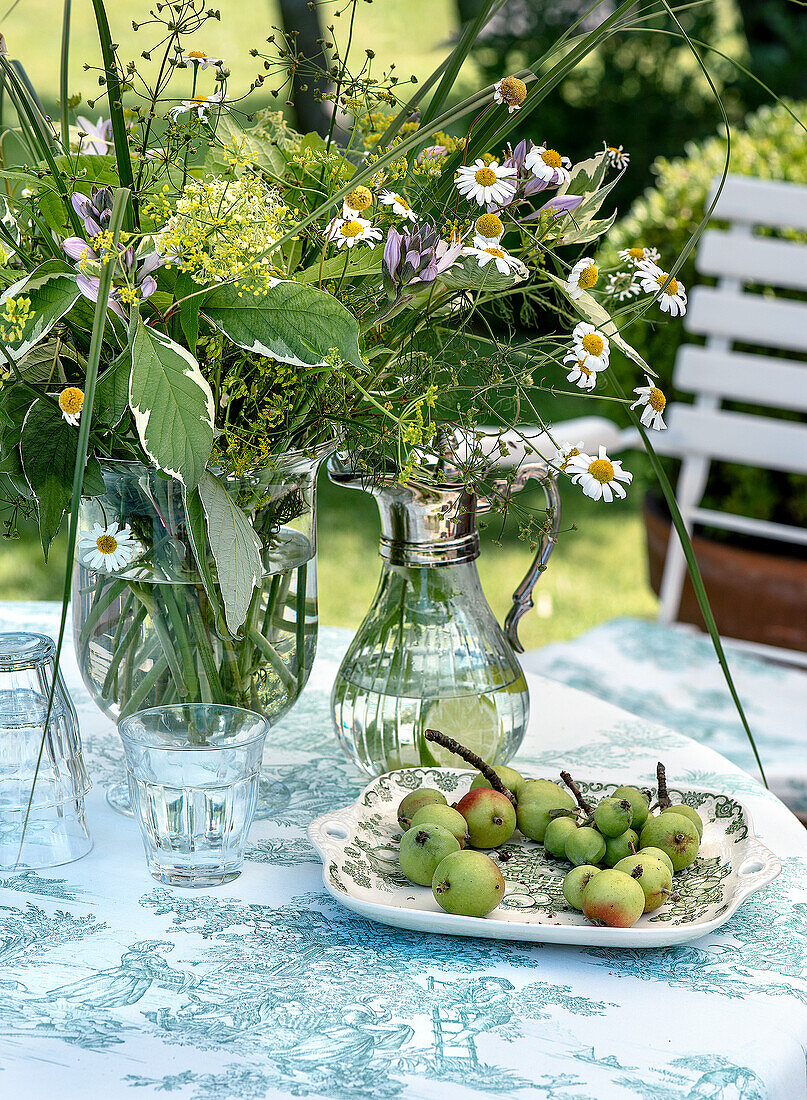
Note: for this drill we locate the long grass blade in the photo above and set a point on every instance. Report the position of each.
(115, 99)
(96, 343)
(63, 76)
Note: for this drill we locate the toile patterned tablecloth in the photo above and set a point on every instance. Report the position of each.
(113, 986)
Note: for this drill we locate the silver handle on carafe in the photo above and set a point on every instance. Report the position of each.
(522, 597)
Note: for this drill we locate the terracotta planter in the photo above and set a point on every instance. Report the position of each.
(759, 597)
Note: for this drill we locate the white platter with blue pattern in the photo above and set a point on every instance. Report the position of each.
(358, 846)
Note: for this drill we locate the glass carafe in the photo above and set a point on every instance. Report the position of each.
(430, 653)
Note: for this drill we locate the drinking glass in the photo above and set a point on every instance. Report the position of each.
(43, 779)
(193, 773)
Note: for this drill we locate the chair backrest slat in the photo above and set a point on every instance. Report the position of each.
(776, 383)
(748, 201)
(748, 318)
(735, 437)
(761, 260)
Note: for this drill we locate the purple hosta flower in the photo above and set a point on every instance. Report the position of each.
(95, 137)
(416, 257)
(135, 271)
(94, 209)
(561, 204)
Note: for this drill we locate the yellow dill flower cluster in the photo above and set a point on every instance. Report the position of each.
(416, 432)
(333, 167)
(220, 229)
(103, 244)
(13, 319)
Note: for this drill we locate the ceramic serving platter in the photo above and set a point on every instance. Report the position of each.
(358, 846)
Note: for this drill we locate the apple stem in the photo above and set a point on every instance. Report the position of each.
(471, 757)
(581, 802)
(664, 799)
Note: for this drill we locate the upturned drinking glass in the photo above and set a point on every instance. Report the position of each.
(193, 775)
(43, 779)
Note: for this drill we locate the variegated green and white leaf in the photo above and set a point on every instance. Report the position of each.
(172, 405)
(53, 292)
(235, 547)
(292, 323)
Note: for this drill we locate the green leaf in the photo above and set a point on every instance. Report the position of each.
(591, 310)
(293, 323)
(235, 547)
(586, 230)
(112, 393)
(186, 292)
(585, 177)
(52, 290)
(364, 262)
(263, 151)
(468, 275)
(172, 405)
(197, 533)
(48, 449)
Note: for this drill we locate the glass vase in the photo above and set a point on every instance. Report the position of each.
(149, 634)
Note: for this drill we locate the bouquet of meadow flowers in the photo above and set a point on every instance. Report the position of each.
(194, 291)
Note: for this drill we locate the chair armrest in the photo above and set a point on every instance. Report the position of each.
(528, 440)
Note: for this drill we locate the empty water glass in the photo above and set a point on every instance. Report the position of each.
(193, 772)
(43, 779)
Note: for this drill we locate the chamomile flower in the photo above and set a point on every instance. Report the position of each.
(71, 402)
(616, 155)
(488, 184)
(623, 286)
(637, 254)
(505, 263)
(593, 344)
(548, 165)
(399, 205)
(653, 404)
(583, 276)
(489, 231)
(599, 477)
(200, 59)
(349, 231)
(672, 298)
(510, 91)
(566, 452)
(107, 548)
(356, 201)
(200, 104)
(582, 375)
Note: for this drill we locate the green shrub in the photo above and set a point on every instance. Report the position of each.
(770, 145)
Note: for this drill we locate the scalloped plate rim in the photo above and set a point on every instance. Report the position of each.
(428, 921)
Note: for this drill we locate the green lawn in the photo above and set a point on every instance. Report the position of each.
(598, 570)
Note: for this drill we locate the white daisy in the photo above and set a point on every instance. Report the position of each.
(510, 91)
(623, 286)
(566, 452)
(617, 157)
(488, 184)
(489, 231)
(583, 276)
(505, 263)
(399, 205)
(654, 403)
(672, 298)
(107, 548)
(71, 402)
(581, 374)
(200, 59)
(201, 104)
(349, 231)
(590, 342)
(636, 255)
(599, 477)
(548, 164)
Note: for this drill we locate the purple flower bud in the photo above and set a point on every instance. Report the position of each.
(148, 286)
(77, 249)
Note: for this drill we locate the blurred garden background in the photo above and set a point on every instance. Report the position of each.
(643, 90)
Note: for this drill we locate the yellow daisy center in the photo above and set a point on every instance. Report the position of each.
(613, 149)
(359, 198)
(201, 99)
(551, 158)
(656, 399)
(672, 286)
(401, 201)
(572, 454)
(636, 253)
(601, 470)
(351, 229)
(593, 343)
(489, 226)
(71, 400)
(588, 277)
(494, 252)
(485, 177)
(107, 544)
(513, 91)
(198, 54)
